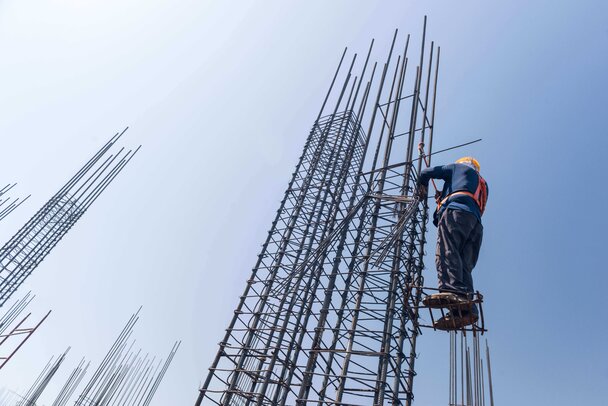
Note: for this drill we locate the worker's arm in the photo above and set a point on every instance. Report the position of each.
(437, 172)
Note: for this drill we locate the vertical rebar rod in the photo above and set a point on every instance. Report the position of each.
(489, 374)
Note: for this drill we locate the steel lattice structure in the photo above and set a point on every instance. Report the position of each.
(330, 313)
(33, 242)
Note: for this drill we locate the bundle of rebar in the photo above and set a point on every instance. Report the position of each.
(33, 242)
(467, 384)
(40, 384)
(8, 204)
(126, 377)
(72, 383)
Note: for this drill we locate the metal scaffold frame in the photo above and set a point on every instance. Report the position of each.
(329, 314)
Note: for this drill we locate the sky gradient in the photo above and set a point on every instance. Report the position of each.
(222, 95)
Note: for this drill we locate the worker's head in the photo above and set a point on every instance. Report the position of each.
(469, 161)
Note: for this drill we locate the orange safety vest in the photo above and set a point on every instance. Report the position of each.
(480, 196)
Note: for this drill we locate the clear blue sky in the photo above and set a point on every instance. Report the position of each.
(222, 95)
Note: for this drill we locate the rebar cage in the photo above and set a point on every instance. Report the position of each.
(35, 240)
(330, 313)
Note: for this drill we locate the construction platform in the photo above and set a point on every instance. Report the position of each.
(435, 313)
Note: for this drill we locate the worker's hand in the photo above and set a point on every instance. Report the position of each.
(422, 192)
(437, 196)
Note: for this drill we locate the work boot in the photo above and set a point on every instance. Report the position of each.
(446, 300)
(457, 319)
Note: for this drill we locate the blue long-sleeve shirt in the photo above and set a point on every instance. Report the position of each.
(456, 177)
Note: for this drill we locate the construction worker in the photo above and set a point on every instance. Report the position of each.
(458, 219)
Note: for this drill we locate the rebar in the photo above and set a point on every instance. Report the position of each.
(71, 383)
(466, 376)
(17, 333)
(125, 377)
(15, 311)
(9, 317)
(329, 314)
(43, 380)
(9, 204)
(34, 241)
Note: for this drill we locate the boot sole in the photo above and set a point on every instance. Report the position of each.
(455, 323)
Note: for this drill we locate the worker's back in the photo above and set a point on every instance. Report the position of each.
(461, 178)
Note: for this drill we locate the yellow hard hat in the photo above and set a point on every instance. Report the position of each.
(469, 160)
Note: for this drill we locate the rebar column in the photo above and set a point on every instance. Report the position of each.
(34, 241)
(329, 314)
